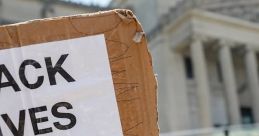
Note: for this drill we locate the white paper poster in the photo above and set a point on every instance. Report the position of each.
(61, 88)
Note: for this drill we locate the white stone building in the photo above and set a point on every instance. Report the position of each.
(205, 53)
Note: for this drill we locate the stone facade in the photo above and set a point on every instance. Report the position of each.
(205, 55)
(223, 85)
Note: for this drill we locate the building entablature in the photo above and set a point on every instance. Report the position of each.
(211, 28)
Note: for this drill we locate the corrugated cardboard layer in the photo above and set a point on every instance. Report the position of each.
(131, 66)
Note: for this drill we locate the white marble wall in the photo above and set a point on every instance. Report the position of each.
(172, 93)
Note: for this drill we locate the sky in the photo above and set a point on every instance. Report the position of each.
(95, 2)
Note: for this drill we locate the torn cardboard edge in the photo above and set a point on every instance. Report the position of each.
(131, 64)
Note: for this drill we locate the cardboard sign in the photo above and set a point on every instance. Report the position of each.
(58, 89)
(54, 77)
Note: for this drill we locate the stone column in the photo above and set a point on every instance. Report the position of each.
(1, 15)
(202, 82)
(252, 80)
(226, 64)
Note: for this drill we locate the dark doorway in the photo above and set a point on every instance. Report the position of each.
(188, 67)
(247, 115)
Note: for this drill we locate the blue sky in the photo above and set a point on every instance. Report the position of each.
(95, 2)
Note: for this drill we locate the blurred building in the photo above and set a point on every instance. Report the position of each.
(12, 11)
(148, 11)
(205, 53)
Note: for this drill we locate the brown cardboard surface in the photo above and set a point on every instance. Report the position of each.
(134, 81)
